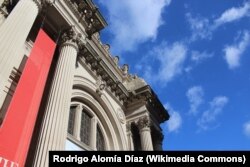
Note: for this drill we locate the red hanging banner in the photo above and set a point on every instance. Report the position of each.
(18, 124)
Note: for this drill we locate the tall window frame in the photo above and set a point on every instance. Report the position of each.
(94, 126)
(71, 122)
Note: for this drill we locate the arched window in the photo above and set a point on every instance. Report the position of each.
(84, 129)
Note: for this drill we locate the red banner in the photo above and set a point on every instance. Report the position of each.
(18, 124)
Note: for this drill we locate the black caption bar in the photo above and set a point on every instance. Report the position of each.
(149, 158)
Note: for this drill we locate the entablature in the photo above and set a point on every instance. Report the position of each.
(88, 15)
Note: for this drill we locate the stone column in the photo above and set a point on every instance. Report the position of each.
(13, 33)
(77, 122)
(54, 126)
(145, 134)
(130, 137)
(93, 133)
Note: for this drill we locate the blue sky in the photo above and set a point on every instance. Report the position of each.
(196, 56)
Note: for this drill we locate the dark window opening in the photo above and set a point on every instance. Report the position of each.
(136, 137)
(85, 127)
(71, 119)
(100, 145)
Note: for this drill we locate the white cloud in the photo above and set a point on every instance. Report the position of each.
(199, 26)
(246, 129)
(175, 121)
(195, 96)
(171, 59)
(163, 63)
(188, 69)
(208, 118)
(197, 56)
(134, 21)
(233, 53)
(202, 28)
(233, 14)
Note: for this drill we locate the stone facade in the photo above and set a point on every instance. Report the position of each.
(120, 109)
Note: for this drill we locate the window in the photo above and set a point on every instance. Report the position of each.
(136, 137)
(99, 140)
(71, 119)
(85, 127)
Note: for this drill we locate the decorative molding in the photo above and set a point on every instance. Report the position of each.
(98, 59)
(100, 86)
(104, 73)
(121, 115)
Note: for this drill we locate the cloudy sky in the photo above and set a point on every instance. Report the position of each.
(196, 56)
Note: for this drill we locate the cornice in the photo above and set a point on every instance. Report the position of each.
(105, 50)
(88, 15)
(143, 95)
(102, 71)
(98, 59)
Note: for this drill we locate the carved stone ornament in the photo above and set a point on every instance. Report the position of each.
(116, 60)
(3, 8)
(97, 36)
(121, 115)
(46, 3)
(106, 47)
(5, 3)
(144, 122)
(125, 69)
(100, 86)
(70, 36)
(88, 15)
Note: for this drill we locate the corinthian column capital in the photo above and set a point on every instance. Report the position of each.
(41, 4)
(71, 37)
(144, 122)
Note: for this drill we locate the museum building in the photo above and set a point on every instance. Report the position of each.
(61, 89)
